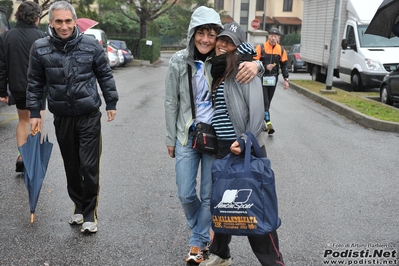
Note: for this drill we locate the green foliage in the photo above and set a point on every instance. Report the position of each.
(175, 22)
(8, 6)
(113, 22)
(107, 5)
(173, 25)
(153, 29)
(83, 11)
(117, 24)
(202, 3)
(150, 52)
(354, 100)
(290, 39)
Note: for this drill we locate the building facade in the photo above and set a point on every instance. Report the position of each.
(286, 15)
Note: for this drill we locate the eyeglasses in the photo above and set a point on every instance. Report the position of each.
(226, 39)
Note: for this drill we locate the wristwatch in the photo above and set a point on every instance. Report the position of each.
(286, 79)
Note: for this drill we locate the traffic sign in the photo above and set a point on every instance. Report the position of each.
(255, 23)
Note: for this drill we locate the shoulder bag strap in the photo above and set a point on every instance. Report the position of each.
(190, 85)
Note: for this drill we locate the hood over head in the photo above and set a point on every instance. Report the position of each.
(201, 16)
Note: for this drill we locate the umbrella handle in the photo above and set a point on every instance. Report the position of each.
(34, 132)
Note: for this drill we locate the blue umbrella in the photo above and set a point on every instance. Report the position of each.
(36, 156)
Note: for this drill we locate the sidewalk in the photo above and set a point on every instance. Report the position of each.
(349, 113)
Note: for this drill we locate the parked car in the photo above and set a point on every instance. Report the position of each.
(294, 59)
(389, 88)
(101, 38)
(112, 47)
(127, 54)
(113, 56)
(121, 57)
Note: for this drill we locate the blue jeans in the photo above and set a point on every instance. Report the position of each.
(196, 206)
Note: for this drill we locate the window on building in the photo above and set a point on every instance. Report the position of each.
(260, 5)
(244, 14)
(219, 4)
(287, 6)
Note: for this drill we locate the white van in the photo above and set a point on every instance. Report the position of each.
(362, 60)
(101, 38)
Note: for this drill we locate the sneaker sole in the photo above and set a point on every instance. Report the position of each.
(226, 263)
(88, 231)
(76, 223)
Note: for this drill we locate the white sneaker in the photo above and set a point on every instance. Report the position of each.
(215, 260)
(89, 227)
(76, 219)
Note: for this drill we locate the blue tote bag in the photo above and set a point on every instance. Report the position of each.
(244, 199)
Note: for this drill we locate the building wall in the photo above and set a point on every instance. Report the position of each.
(274, 8)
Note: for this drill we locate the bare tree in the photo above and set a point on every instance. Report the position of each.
(146, 11)
(45, 6)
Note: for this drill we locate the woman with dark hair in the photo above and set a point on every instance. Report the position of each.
(204, 26)
(238, 109)
(15, 45)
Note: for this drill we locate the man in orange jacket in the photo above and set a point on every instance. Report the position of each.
(273, 57)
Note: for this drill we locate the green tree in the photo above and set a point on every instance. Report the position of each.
(116, 24)
(145, 11)
(290, 39)
(8, 6)
(173, 25)
(83, 10)
(112, 20)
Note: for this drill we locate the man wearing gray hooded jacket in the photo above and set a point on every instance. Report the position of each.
(204, 26)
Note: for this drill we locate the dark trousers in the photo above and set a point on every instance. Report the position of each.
(79, 139)
(268, 93)
(265, 247)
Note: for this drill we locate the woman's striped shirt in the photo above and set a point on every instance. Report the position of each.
(221, 121)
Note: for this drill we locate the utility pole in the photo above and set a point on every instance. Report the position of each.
(264, 17)
(333, 45)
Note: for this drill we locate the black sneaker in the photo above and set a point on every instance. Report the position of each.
(19, 165)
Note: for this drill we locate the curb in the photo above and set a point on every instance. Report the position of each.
(137, 62)
(364, 120)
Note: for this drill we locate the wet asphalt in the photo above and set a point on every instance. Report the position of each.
(336, 183)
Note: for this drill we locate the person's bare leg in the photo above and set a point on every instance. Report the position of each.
(23, 126)
(22, 135)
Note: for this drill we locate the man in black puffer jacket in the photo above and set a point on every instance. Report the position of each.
(68, 65)
(15, 45)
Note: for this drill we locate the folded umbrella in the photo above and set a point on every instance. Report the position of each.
(384, 19)
(36, 156)
(85, 23)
